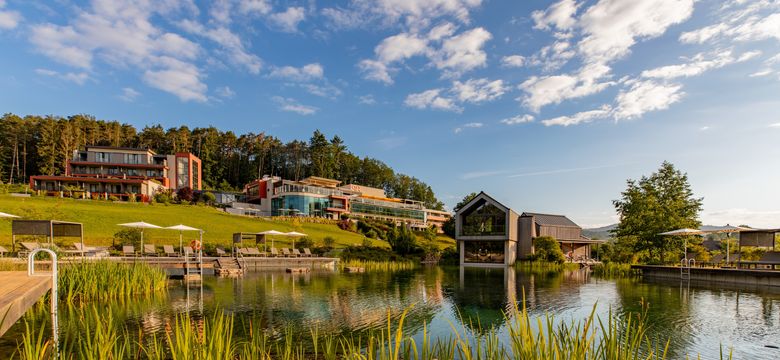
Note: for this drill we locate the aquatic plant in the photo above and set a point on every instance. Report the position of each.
(107, 280)
(545, 266)
(379, 265)
(186, 337)
(613, 270)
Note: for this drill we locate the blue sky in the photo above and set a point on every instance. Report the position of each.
(548, 106)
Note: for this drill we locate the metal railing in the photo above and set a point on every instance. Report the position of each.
(53, 304)
(685, 267)
(476, 230)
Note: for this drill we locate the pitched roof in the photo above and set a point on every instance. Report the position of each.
(484, 196)
(551, 220)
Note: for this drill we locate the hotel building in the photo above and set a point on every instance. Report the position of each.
(103, 171)
(489, 233)
(321, 197)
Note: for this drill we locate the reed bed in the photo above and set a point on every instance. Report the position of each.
(614, 270)
(214, 337)
(107, 280)
(379, 265)
(12, 265)
(545, 266)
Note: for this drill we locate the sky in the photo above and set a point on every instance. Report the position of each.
(547, 106)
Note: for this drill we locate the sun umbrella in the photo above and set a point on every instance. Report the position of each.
(5, 215)
(294, 234)
(728, 229)
(271, 232)
(683, 232)
(141, 225)
(182, 228)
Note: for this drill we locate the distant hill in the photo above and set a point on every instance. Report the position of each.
(600, 232)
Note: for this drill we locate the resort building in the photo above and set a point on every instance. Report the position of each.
(490, 233)
(327, 198)
(103, 171)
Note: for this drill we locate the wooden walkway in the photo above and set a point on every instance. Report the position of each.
(18, 293)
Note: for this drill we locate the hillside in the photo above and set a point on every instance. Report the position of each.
(100, 219)
(600, 233)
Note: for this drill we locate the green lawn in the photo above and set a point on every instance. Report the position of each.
(100, 219)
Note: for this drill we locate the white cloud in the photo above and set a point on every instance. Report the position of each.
(414, 14)
(611, 27)
(78, 78)
(431, 99)
(472, 125)
(179, 78)
(480, 174)
(518, 119)
(399, 47)
(513, 61)
(121, 34)
(231, 45)
(326, 90)
(225, 92)
(288, 20)
(762, 72)
(292, 105)
(644, 96)
(542, 91)
(262, 7)
(313, 71)
(9, 19)
(478, 90)
(129, 94)
(367, 99)
(704, 128)
(580, 117)
(559, 15)
(462, 52)
(775, 125)
(376, 71)
(743, 21)
(699, 64)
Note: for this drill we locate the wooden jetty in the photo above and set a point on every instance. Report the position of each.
(18, 293)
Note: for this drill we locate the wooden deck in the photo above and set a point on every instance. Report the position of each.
(18, 293)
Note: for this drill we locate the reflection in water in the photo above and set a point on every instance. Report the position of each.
(696, 318)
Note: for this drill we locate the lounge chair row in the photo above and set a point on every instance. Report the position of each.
(77, 249)
(285, 252)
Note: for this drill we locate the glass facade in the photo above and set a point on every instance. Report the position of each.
(484, 252)
(301, 205)
(387, 211)
(195, 175)
(483, 220)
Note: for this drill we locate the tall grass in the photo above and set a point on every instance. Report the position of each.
(538, 338)
(12, 265)
(614, 270)
(379, 265)
(545, 266)
(107, 280)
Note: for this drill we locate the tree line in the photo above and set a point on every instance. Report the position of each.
(42, 145)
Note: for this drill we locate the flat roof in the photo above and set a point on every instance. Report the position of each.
(119, 148)
(321, 181)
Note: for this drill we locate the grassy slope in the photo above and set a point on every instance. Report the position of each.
(100, 219)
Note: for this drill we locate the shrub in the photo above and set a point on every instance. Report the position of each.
(347, 225)
(184, 194)
(371, 234)
(163, 196)
(450, 256)
(304, 242)
(127, 237)
(328, 242)
(366, 242)
(131, 197)
(208, 197)
(402, 240)
(113, 198)
(547, 249)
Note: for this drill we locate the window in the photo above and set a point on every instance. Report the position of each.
(182, 172)
(195, 175)
(101, 157)
(483, 252)
(483, 219)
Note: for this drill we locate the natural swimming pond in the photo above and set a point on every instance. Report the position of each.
(696, 319)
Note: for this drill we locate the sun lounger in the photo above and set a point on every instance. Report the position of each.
(274, 252)
(221, 252)
(286, 252)
(168, 250)
(253, 252)
(27, 247)
(3, 251)
(307, 252)
(149, 249)
(128, 250)
(296, 253)
(188, 251)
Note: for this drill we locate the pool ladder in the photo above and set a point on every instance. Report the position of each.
(685, 268)
(53, 297)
